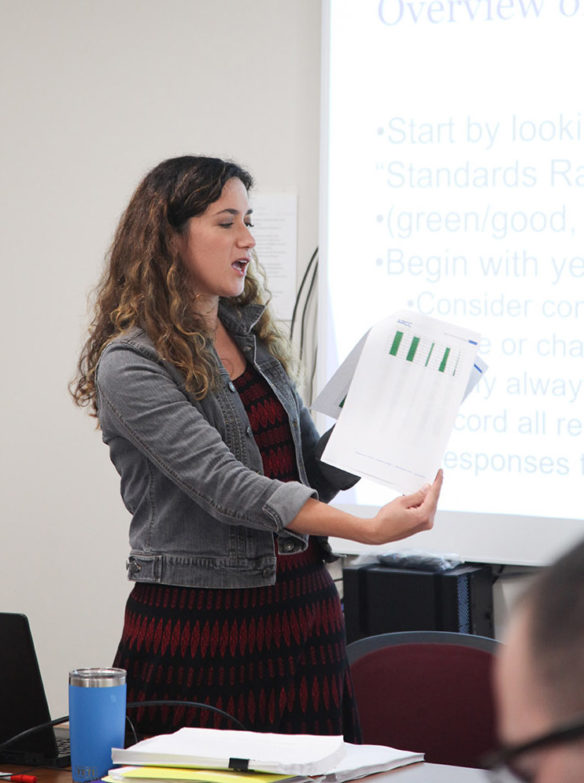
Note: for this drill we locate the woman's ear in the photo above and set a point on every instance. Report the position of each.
(179, 241)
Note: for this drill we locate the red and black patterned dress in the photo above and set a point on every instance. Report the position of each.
(274, 657)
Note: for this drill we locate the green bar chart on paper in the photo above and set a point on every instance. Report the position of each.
(424, 352)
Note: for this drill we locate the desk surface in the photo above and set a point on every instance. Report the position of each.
(412, 773)
(430, 773)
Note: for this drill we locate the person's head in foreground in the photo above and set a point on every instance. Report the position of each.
(539, 678)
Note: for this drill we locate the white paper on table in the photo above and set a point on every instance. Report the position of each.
(292, 754)
(400, 408)
(357, 761)
(362, 760)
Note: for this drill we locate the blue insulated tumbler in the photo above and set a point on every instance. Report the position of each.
(97, 715)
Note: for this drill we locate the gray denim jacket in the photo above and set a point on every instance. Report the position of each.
(203, 513)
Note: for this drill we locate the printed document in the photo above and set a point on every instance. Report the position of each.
(289, 754)
(355, 761)
(410, 374)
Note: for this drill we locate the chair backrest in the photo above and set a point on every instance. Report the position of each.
(426, 691)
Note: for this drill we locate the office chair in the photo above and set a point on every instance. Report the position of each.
(427, 691)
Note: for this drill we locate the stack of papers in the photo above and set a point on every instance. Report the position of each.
(193, 755)
(187, 775)
(396, 397)
(361, 760)
(289, 754)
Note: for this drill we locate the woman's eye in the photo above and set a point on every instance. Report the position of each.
(249, 225)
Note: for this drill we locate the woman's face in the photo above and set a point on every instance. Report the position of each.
(216, 246)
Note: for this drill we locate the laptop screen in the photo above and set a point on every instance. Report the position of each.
(23, 703)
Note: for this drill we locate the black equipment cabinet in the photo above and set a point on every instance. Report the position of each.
(379, 599)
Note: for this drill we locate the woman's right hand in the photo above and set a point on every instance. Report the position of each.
(399, 519)
(406, 515)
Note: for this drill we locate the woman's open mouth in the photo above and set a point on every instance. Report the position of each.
(240, 265)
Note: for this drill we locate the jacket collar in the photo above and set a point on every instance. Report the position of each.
(239, 320)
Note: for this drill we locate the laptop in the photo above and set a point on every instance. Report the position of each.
(23, 703)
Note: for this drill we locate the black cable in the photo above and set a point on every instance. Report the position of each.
(313, 373)
(32, 730)
(174, 703)
(130, 705)
(305, 308)
(298, 295)
(132, 729)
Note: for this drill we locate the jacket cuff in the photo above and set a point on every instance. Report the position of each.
(285, 503)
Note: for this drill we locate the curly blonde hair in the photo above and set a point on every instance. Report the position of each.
(145, 283)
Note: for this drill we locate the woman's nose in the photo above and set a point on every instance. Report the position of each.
(246, 238)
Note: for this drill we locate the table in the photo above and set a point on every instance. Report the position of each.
(412, 773)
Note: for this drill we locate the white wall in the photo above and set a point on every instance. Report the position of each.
(93, 94)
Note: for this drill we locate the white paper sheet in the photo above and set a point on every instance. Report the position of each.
(292, 754)
(331, 399)
(410, 379)
(355, 761)
(362, 760)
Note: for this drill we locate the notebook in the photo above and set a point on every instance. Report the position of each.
(23, 703)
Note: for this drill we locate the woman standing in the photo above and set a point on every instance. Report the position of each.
(218, 459)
